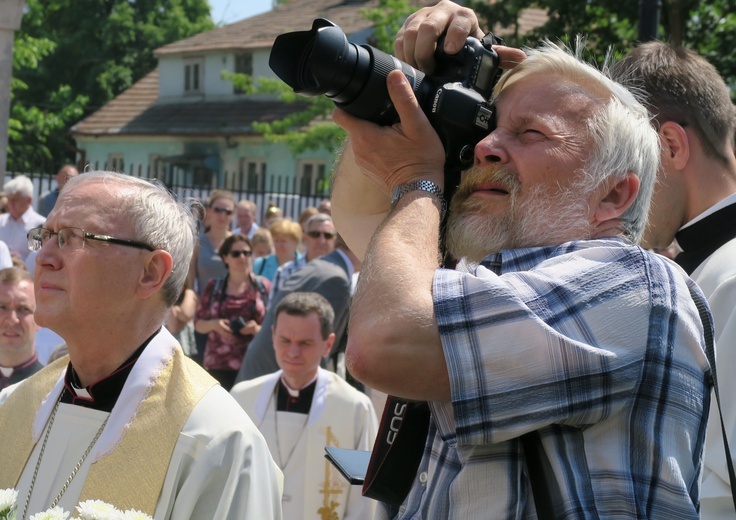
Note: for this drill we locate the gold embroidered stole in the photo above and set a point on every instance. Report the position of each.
(16, 421)
(133, 474)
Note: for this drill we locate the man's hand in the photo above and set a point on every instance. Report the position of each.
(416, 41)
(394, 155)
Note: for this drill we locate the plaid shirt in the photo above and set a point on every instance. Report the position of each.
(598, 346)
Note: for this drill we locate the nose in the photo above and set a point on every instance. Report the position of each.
(490, 150)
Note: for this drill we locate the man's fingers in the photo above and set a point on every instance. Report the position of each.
(509, 57)
(406, 104)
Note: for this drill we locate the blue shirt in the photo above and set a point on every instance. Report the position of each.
(598, 346)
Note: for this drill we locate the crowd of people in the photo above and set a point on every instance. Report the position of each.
(557, 326)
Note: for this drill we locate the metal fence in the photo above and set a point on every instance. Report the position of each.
(279, 190)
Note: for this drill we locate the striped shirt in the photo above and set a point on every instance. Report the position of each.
(598, 346)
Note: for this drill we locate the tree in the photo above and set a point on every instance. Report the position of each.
(706, 27)
(85, 52)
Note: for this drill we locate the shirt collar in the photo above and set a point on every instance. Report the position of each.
(731, 199)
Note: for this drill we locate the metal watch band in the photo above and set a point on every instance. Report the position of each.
(428, 186)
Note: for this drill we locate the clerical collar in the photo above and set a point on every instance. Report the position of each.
(8, 371)
(702, 238)
(296, 401)
(103, 394)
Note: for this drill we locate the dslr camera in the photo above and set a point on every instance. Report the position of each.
(455, 98)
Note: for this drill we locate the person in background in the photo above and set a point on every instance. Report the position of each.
(207, 263)
(18, 359)
(305, 215)
(325, 206)
(231, 310)
(302, 408)
(694, 211)
(556, 336)
(126, 406)
(287, 236)
(273, 213)
(319, 240)
(245, 217)
(48, 199)
(20, 218)
(262, 243)
(3, 203)
(180, 320)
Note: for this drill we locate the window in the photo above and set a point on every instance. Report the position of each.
(312, 179)
(253, 174)
(243, 65)
(115, 163)
(193, 72)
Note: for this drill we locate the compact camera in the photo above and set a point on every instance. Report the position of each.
(237, 324)
(455, 99)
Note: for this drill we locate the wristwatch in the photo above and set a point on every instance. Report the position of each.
(428, 186)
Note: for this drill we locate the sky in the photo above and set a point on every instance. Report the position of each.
(225, 12)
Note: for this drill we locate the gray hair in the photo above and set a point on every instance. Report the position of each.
(20, 184)
(317, 218)
(624, 139)
(158, 220)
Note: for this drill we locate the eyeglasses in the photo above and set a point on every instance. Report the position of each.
(237, 254)
(223, 210)
(74, 238)
(317, 234)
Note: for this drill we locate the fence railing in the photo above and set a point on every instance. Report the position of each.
(281, 190)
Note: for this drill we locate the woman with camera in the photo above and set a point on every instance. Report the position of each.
(231, 310)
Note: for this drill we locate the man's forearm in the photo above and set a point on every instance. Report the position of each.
(394, 343)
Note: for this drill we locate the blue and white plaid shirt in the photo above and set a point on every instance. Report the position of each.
(599, 347)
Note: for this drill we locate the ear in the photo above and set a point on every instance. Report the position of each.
(328, 344)
(675, 145)
(156, 270)
(618, 198)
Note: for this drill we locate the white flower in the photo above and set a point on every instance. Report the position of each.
(97, 510)
(56, 513)
(7, 499)
(134, 514)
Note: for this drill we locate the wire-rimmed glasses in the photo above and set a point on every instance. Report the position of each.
(71, 238)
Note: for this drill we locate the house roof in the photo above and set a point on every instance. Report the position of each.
(134, 112)
(261, 30)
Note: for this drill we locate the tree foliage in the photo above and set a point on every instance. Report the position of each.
(706, 27)
(73, 56)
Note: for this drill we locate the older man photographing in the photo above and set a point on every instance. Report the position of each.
(126, 418)
(554, 325)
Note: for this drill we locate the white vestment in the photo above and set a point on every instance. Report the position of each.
(220, 468)
(313, 489)
(716, 276)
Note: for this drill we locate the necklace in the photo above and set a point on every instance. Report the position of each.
(43, 448)
(282, 465)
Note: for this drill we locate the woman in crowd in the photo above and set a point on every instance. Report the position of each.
(287, 236)
(231, 310)
(206, 263)
(262, 242)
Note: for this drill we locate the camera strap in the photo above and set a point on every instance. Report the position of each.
(397, 451)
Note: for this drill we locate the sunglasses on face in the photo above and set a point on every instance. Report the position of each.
(223, 210)
(238, 254)
(317, 234)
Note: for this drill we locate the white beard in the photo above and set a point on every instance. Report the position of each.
(539, 218)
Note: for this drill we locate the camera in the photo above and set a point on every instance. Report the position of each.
(237, 324)
(455, 99)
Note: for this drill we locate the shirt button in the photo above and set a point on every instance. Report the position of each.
(423, 477)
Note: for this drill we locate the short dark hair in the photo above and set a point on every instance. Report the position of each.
(305, 303)
(682, 87)
(227, 245)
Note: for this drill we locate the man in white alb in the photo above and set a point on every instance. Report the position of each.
(302, 408)
(126, 418)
